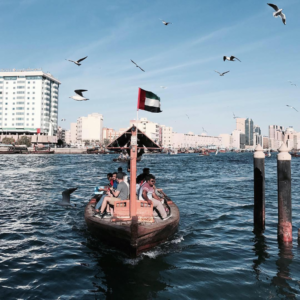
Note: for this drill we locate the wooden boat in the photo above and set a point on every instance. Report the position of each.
(295, 154)
(41, 152)
(132, 227)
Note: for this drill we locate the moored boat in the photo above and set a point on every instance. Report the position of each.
(133, 227)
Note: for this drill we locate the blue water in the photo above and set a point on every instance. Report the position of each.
(46, 251)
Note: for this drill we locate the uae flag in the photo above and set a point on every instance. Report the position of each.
(148, 101)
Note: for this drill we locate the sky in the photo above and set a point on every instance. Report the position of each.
(181, 56)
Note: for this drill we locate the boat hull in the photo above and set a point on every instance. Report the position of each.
(131, 236)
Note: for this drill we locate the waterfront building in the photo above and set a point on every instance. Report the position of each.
(249, 129)
(110, 134)
(240, 124)
(289, 135)
(61, 134)
(226, 140)
(238, 139)
(191, 140)
(28, 102)
(90, 128)
(166, 136)
(151, 129)
(266, 142)
(276, 136)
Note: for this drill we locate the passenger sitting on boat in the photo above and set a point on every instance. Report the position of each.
(120, 169)
(114, 182)
(141, 178)
(121, 193)
(147, 193)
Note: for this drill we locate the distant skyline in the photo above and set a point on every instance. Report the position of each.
(181, 56)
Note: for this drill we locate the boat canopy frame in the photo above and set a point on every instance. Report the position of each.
(124, 141)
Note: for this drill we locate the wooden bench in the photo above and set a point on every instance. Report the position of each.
(144, 211)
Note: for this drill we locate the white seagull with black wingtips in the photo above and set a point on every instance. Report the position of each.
(165, 23)
(278, 13)
(78, 61)
(230, 58)
(79, 96)
(137, 65)
(66, 197)
(292, 107)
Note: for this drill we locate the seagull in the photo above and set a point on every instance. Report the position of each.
(78, 61)
(278, 13)
(79, 96)
(234, 116)
(204, 130)
(292, 83)
(222, 74)
(165, 23)
(187, 115)
(137, 65)
(62, 120)
(163, 87)
(231, 58)
(66, 197)
(292, 107)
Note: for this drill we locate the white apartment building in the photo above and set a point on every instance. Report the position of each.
(151, 129)
(166, 134)
(90, 128)
(28, 102)
(191, 140)
(226, 140)
(110, 134)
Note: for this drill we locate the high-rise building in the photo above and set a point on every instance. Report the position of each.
(28, 102)
(240, 124)
(90, 128)
(249, 132)
(276, 136)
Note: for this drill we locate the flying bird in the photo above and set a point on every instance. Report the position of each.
(137, 65)
(234, 116)
(79, 96)
(222, 74)
(62, 120)
(292, 83)
(278, 13)
(66, 197)
(204, 130)
(163, 87)
(165, 23)
(231, 58)
(187, 115)
(292, 107)
(78, 61)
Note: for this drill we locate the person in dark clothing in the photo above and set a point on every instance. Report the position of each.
(142, 177)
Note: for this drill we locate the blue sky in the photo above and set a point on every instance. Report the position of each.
(181, 56)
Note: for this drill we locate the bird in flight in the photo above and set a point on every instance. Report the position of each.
(278, 13)
(204, 130)
(234, 116)
(137, 65)
(187, 115)
(222, 74)
(79, 96)
(78, 61)
(62, 120)
(165, 23)
(163, 87)
(292, 83)
(292, 107)
(66, 197)
(231, 58)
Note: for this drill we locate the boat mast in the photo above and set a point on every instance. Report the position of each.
(133, 156)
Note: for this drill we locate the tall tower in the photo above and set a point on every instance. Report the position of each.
(249, 132)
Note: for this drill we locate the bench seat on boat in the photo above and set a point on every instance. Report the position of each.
(143, 209)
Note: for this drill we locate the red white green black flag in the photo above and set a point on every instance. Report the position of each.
(148, 101)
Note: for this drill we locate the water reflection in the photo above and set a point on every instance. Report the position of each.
(260, 250)
(118, 277)
(282, 278)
